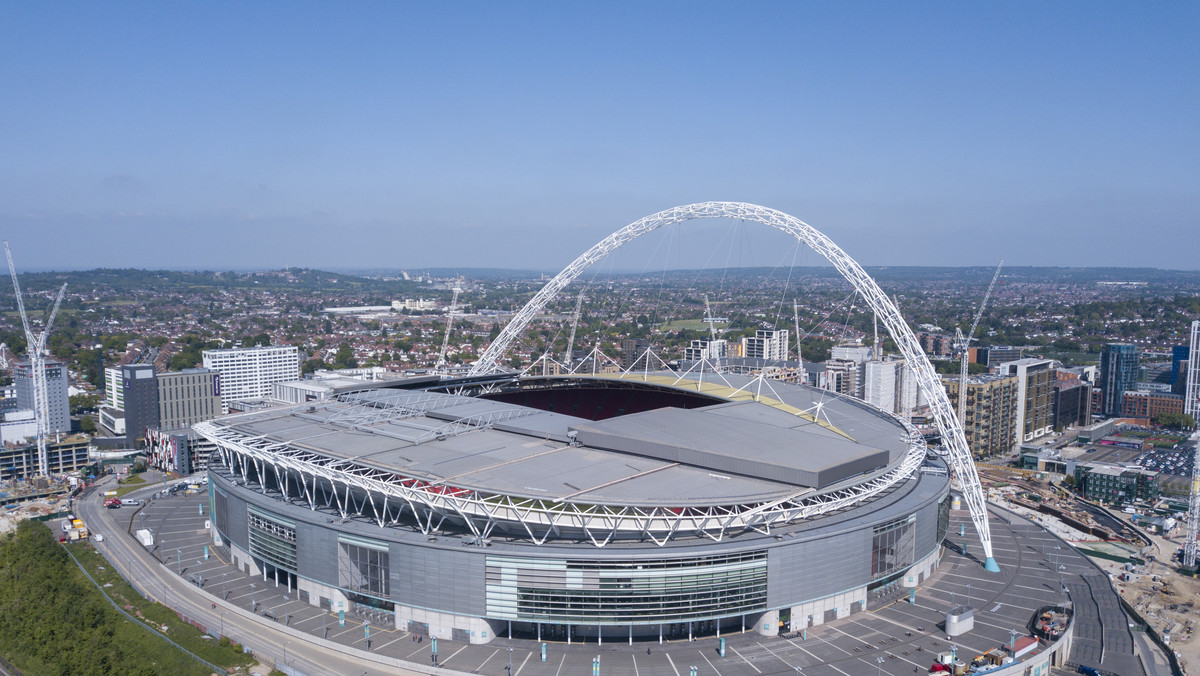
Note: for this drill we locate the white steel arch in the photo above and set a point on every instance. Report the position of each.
(953, 439)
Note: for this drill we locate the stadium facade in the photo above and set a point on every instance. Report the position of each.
(619, 507)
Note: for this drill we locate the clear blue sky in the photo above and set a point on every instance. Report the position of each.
(512, 134)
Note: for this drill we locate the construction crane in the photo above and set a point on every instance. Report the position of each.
(799, 337)
(1191, 406)
(963, 343)
(569, 356)
(713, 349)
(441, 361)
(35, 349)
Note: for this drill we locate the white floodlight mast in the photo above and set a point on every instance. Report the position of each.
(1191, 406)
(35, 349)
(959, 455)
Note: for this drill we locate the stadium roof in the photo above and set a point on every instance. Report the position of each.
(734, 452)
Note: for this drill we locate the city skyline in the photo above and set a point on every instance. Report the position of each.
(194, 137)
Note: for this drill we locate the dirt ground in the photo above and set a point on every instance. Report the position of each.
(1165, 599)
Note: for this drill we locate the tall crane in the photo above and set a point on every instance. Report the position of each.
(441, 361)
(569, 356)
(963, 343)
(799, 337)
(713, 349)
(1191, 406)
(35, 349)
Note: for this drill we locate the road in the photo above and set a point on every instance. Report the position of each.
(136, 564)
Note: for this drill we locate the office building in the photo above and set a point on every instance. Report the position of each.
(249, 373)
(58, 405)
(1118, 374)
(990, 418)
(769, 345)
(187, 397)
(1035, 397)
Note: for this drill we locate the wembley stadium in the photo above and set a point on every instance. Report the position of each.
(604, 506)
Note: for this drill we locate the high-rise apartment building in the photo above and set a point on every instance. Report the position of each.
(990, 417)
(882, 382)
(58, 405)
(114, 390)
(1191, 390)
(890, 385)
(766, 344)
(249, 372)
(711, 350)
(1118, 374)
(1035, 397)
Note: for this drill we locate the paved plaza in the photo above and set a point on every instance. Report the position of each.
(898, 638)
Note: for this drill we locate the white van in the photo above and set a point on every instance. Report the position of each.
(130, 502)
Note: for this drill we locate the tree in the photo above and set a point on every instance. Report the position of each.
(344, 358)
(1175, 421)
(86, 424)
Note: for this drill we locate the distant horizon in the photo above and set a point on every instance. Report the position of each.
(420, 271)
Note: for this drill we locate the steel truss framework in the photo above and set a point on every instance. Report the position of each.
(389, 498)
(953, 439)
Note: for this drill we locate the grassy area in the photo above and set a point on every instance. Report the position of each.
(53, 620)
(130, 483)
(221, 653)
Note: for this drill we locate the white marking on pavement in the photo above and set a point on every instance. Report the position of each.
(735, 652)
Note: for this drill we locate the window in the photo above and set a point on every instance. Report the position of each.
(272, 538)
(363, 565)
(892, 547)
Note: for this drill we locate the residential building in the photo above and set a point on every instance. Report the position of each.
(249, 373)
(1035, 397)
(711, 350)
(68, 455)
(1115, 484)
(632, 349)
(1118, 373)
(1149, 405)
(58, 405)
(1071, 403)
(766, 344)
(1191, 376)
(990, 416)
(882, 383)
(114, 391)
(842, 376)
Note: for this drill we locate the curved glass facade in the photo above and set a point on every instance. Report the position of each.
(617, 592)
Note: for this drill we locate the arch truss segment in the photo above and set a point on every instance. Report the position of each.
(958, 454)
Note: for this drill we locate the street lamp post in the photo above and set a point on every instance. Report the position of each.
(879, 666)
(510, 651)
(179, 561)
